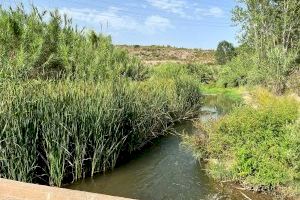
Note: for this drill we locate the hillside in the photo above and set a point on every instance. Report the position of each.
(154, 55)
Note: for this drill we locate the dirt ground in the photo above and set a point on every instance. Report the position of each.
(153, 55)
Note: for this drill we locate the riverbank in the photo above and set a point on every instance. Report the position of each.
(249, 145)
(72, 104)
(232, 93)
(165, 170)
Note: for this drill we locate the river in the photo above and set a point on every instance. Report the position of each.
(166, 170)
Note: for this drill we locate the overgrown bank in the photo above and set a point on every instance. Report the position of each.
(269, 54)
(255, 145)
(71, 103)
(63, 131)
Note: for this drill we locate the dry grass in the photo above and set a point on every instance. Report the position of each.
(154, 55)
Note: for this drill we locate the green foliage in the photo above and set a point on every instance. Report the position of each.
(271, 29)
(238, 72)
(278, 72)
(234, 94)
(281, 64)
(169, 70)
(256, 145)
(196, 144)
(224, 53)
(71, 104)
(72, 129)
(293, 84)
(202, 73)
(46, 45)
(207, 74)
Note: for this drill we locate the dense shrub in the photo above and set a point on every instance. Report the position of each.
(293, 83)
(202, 73)
(169, 70)
(274, 42)
(277, 72)
(257, 145)
(240, 71)
(207, 74)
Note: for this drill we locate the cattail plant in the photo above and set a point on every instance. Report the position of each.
(71, 103)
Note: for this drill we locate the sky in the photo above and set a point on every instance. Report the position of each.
(180, 23)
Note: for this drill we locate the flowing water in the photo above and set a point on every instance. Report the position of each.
(165, 170)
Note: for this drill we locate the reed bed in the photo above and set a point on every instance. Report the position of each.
(43, 44)
(71, 104)
(58, 132)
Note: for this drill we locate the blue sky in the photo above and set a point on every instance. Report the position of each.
(181, 23)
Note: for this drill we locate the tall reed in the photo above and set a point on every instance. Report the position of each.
(71, 103)
(60, 131)
(46, 44)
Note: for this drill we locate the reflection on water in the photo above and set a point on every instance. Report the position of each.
(163, 170)
(218, 103)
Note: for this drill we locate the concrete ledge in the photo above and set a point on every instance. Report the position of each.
(13, 190)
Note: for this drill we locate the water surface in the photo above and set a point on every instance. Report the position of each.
(165, 170)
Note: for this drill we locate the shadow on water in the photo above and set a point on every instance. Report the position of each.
(165, 170)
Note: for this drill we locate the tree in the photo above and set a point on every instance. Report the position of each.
(225, 52)
(272, 29)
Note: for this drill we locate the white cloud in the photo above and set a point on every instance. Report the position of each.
(186, 10)
(215, 11)
(172, 6)
(156, 22)
(113, 19)
(212, 12)
(95, 17)
(118, 21)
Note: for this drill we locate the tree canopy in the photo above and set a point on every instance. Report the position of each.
(225, 52)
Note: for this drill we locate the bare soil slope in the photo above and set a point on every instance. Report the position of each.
(153, 55)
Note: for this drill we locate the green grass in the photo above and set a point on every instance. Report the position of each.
(231, 93)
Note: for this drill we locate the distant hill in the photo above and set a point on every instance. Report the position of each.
(153, 55)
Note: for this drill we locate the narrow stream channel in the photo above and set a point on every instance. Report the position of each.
(165, 170)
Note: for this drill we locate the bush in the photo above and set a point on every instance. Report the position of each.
(202, 73)
(293, 83)
(169, 70)
(276, 69)
(206, 74)
(256, 145)
(238, 72)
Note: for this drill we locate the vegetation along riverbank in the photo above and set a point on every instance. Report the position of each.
(71, 103)
(257, 144)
